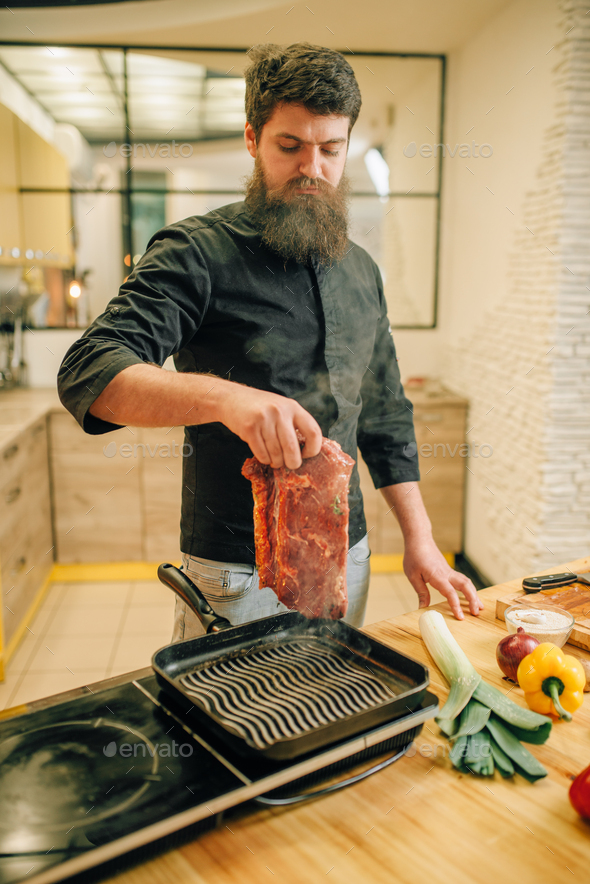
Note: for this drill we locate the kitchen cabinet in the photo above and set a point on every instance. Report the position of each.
(46, 217)
(40, 164)
(116, 497)
(47, 221)
(26, 542)
(10, 220)
(439, 420)
(37, 225)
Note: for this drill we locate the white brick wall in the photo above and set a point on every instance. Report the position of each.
(526, 368)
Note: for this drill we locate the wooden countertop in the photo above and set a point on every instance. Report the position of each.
(21, 407)
(418, 820)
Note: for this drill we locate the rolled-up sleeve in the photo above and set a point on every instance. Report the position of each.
(157, 311)
(385, 434)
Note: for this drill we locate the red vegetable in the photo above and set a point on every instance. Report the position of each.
(512, 649)
(580, 793)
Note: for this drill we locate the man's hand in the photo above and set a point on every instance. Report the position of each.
(269, 424)
(424, 563)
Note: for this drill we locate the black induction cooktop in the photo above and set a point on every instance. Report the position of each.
(109, 772)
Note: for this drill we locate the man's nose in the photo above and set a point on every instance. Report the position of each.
(311, 166)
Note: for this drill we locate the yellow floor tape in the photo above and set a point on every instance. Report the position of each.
(102, 572)
(384, 564)
(99, 572)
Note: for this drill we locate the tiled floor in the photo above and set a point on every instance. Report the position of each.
(88, 631)
(391, 595)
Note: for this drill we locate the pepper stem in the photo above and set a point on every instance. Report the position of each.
(553, 687)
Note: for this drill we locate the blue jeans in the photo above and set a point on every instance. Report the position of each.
(232, 591)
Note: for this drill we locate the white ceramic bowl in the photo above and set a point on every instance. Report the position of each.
(544, 632)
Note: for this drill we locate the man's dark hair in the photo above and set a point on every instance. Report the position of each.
(319, 79)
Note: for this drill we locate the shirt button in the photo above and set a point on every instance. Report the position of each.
(115, 309)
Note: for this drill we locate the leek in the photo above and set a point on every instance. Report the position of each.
(501, 760)
(528, 726)
(473, 719)
(452, 662)
(483, 724)
(525, 763)
(458, 751)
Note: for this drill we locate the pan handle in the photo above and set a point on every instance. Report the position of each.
(335, 787)
(192, 596)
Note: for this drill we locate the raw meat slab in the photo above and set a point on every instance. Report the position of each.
(301, 530)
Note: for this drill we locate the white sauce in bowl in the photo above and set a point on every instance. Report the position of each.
(544, 624)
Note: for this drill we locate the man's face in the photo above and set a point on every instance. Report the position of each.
(295, 144)
(298, 193)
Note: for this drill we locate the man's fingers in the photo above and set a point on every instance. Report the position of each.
(258, 447)
(274, 444)
(290, 448)
(272, 425)
(446, 588)
(422, 591)
(310, 430)
(463, 584)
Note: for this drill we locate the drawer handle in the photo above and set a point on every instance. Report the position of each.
(12, 495)
(10, 452)
(18, 565)
(38, 429)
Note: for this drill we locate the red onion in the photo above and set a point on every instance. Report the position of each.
(512, 649)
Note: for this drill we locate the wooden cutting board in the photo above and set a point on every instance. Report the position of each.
(575, 598)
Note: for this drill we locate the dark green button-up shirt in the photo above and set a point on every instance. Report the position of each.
(210, 293)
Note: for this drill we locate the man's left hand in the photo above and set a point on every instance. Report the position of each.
(425, 564)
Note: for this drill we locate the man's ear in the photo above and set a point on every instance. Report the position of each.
(250, 139)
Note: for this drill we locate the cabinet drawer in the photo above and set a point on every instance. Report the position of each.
(442, 426)
(32, 514)
(23, 573)
(24, 450)
(27, 488)
(12, 506)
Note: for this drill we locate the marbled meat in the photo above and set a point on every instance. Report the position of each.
(301, 530)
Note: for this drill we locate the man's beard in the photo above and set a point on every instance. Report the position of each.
(300, 225)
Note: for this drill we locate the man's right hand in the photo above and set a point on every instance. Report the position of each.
(268, 423)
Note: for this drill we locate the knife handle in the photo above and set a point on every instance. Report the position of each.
(548, 581)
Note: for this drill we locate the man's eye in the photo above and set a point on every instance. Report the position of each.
(329, 153)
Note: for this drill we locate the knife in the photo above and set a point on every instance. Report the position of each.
(549, 581)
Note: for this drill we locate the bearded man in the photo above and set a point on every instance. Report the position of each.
(271, 298)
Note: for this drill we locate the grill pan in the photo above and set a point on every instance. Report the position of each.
(283, 686)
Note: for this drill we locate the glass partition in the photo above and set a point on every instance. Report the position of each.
(154, 136)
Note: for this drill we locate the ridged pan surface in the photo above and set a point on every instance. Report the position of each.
(284, 691)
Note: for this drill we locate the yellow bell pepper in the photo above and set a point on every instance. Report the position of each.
(553, 682)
